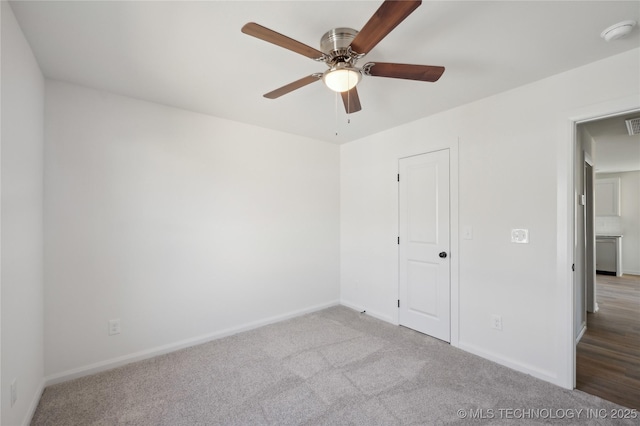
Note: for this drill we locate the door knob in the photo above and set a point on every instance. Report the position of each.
(443, 254)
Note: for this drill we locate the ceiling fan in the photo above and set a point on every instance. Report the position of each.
(341, 48)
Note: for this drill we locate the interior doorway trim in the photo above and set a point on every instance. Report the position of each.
(590, 250)
(565, 221)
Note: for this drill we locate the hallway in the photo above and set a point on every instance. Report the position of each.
(608, 356)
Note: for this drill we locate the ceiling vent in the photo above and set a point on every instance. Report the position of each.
(633, 126)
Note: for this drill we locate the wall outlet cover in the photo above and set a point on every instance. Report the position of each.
(114, 327)
(520, 236)
(496, 322)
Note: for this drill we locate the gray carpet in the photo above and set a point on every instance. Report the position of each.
(332, 367)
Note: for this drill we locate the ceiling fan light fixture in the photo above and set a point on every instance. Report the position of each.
(341, 78)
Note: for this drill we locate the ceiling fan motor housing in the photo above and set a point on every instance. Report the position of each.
(335, 44)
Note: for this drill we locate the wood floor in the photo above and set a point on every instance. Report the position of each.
(608, 356)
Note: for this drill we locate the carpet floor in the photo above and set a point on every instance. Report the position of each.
(331, 367)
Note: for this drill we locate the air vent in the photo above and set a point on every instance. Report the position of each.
(633, 126)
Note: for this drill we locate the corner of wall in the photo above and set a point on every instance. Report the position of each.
(21, 223)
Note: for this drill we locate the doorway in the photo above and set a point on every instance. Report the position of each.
(606, 324)
(424, 239)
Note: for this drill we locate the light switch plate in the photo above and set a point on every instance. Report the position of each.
(520, 236)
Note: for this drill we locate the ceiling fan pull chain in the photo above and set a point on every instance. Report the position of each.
(336, 112)
(349, 101)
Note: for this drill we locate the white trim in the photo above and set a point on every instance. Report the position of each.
(588, 159)
(508, 362)
(454, 236)
(581, 333)
(629, 272)
(565, 220)
(363, 310)
(564, 253)
(172, 347)
(34, 403)
(352, 305)
(590, 275)
(1, 375)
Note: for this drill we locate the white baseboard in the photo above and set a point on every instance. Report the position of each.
(34, 404)
(541, 374)
(374, 314)
(172, 347)
(625, 272)
(582, 331)
(515, 365)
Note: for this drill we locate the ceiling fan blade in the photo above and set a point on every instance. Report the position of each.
(292, 86)
(351, 101)
(386, 18)
(263, 33)
(409, 72)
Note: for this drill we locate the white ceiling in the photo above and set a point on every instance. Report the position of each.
(615, 149)
(192, 55)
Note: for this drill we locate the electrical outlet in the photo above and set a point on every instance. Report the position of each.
(14, 391)
(520, 236)
(114, 326)
(496, 322)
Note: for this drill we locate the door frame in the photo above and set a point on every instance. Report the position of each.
(590, 236)
(454, 251)
(585, 238)
(565, 220)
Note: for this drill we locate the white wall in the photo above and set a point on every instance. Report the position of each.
(21, 223)
(512, 174)
(628, 223)
(182, 225)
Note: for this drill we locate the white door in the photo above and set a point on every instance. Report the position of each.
(424, 291)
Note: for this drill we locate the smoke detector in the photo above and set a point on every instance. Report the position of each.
(619, 30)
(633, 126)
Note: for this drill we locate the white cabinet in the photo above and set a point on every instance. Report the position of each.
(608, 255)
(608, 197)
